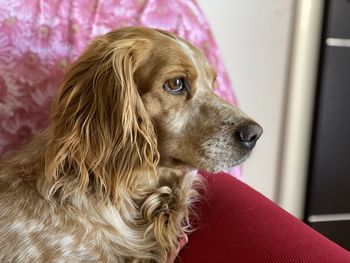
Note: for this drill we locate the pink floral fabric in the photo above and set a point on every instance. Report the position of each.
(40, 38)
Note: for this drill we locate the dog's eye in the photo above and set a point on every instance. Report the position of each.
(175, 85)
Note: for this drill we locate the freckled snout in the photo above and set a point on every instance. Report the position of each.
(248, 133)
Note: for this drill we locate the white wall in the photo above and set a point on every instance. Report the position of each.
(254, 37)
(299, 113)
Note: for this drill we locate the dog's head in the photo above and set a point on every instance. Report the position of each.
(195, 128)
(138, 98)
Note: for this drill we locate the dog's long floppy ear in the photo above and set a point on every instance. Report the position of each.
(100, 132)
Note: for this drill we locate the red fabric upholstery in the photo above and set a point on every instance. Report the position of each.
(238, 224)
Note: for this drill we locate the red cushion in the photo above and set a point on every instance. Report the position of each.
(238, 224)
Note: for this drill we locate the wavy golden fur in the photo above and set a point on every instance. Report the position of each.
(110, 179)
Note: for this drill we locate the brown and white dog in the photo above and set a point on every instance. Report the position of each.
(110, 179)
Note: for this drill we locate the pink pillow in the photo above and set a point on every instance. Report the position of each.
(40, 38)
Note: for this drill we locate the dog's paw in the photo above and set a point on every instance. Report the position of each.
(166, 207)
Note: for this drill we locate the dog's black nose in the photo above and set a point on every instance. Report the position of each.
(248, 133)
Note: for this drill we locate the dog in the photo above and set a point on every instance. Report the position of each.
(113, 177)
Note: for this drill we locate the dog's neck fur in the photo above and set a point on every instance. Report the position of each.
(155, 217)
